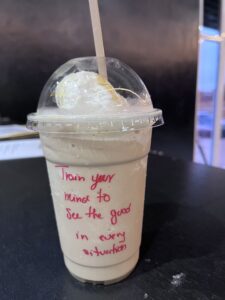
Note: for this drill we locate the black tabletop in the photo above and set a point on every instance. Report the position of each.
(183, 247)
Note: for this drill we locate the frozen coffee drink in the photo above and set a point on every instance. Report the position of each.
(96, 136)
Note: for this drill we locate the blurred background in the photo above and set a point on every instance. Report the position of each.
(176, 46)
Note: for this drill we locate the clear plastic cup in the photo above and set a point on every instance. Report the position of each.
(96, 149)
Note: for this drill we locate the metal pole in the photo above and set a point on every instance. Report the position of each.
(218, 106)
(195, 141)
(201, 13)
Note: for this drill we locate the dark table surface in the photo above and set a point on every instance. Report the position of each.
(183, 235)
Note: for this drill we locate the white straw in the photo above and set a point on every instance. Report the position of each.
(98, 39)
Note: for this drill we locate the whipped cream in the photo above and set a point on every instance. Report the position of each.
(87, 93)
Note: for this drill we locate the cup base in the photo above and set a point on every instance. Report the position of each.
(102, 275)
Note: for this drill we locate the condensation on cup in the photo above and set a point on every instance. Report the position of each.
(96, 136)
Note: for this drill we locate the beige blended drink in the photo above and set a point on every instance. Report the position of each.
(96, 136)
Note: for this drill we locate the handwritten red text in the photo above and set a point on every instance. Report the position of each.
(72, 215)
(113, 236)
(117, 213)
(75, 198)
(103, 197)
(98, 178)
(65, 175)
(93, 214)
(80, 236)
(97, 252)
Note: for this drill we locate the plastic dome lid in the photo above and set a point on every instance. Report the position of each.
(76, 99)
